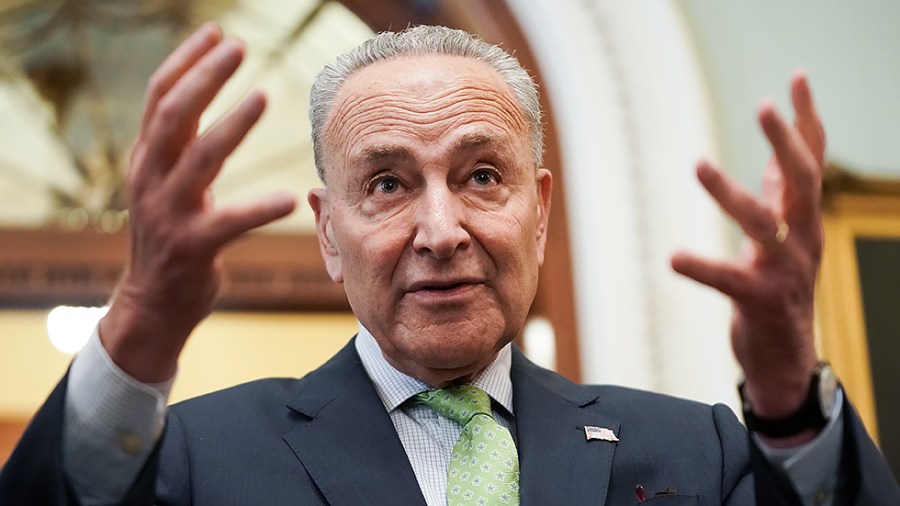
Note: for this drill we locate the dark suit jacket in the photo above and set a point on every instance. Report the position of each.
(326, 439)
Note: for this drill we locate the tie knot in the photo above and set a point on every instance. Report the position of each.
(459, 403)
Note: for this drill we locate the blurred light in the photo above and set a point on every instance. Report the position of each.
(540, 342)
(71, 327)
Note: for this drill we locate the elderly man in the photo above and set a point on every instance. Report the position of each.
(433, 216)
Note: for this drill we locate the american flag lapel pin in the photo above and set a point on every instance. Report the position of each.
(599, 433)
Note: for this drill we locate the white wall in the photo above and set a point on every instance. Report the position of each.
(851, 51)
(640, 89)
(633, 117)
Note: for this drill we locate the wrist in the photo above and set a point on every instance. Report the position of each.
(781, 387)
(774, 399)
(788, 418)
(135, 346)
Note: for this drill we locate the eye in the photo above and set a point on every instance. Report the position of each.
(484, 177)
(388, 185)
(384, 183)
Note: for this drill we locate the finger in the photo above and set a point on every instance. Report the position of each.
(204, 159)
(176, 64)
(726, 277)
(753, 216)
(807, 120)
(772, 187)
(798, 168)
(175, 120)
(225, 225)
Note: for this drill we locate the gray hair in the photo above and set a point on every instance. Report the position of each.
(419, 41)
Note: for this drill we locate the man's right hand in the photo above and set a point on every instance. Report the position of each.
(173, 272)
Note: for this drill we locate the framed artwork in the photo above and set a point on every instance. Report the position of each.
(859, 298)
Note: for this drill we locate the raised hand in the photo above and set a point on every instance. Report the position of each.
(173, 273)
(772, 280)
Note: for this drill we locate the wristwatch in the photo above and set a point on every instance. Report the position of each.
(812, 414)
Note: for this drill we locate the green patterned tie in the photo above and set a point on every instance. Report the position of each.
(484, 467)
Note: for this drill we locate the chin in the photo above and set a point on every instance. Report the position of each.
(429, 343)
(456, 348)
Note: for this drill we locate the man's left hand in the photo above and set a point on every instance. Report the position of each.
(772, 280)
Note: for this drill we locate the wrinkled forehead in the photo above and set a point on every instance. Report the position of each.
(422, 96)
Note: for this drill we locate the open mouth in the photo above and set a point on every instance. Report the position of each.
(444, 287)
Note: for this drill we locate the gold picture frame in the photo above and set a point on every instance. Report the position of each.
(856, 209)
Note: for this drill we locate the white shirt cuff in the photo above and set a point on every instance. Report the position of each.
(112, 423)
(813, 467)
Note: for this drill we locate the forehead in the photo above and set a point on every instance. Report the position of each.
(435, 98)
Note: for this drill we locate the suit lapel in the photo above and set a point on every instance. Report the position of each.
(557, 463)
(349, 445)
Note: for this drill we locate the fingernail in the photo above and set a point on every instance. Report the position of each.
(256, 94)
(210, 26)
(210, 29)
(283, 199)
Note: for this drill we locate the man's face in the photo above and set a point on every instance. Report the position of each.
(434, 217)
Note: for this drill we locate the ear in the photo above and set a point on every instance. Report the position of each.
(544, 180)
(318, 200)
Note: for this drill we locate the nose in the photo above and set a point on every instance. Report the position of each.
(440, 223)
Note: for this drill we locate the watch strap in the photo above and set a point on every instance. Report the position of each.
(808, 416)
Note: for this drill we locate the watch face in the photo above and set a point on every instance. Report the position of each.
(827, 388)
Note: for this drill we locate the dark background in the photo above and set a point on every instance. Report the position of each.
(879, 273)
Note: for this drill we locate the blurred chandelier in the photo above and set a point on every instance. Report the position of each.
(72, 79)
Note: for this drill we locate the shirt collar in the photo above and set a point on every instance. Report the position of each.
(395, 387)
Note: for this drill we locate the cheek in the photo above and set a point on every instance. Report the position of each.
(512, 230)
(370, 254)
(510, 240)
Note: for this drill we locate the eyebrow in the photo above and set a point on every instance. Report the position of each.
(382, 152)
(474, 140)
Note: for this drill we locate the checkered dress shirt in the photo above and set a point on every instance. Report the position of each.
(427, 437)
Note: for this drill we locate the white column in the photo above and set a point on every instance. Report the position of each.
(633, 117)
